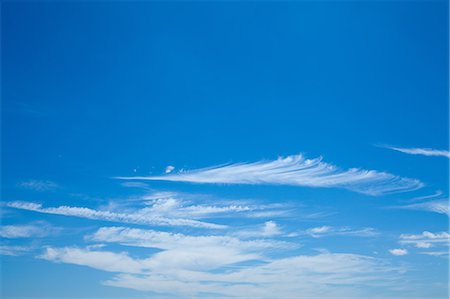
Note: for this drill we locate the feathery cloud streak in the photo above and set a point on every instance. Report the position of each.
(440, 206)
(38, 229)
(14, 250)
(426, 239)
(172, 241)
(420, 151)
(137, 217)
(294, 170)
(324, 231)
(39, 185)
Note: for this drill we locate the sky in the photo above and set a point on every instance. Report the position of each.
(224, 149)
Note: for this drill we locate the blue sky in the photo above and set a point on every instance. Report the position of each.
(225, 149)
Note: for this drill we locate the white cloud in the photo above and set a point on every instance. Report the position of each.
(167, 240)
(297, 171)
(102, 260)
(179, 259)
(440, 206)
(142, 216)
(318, 276)
(420, 151)
(191, 273)
(174, 207)
(323, 231)
(267, 229)
(398, 251)
(39, 185)
(37, 230)
(13, 250)
(207, 210)
(426, 239)
(270, 214)
(438, 193)
(135, 185)
(188, 252)
(319, 230)
(436, 253)
(423, 245)
(271, 228)
(169, 169)
(172, 204)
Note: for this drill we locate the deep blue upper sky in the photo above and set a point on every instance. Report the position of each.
(93, 91)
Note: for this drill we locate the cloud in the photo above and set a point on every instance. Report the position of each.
(39, 185)
(139, 185)
(36, 230)
(169, 241)
(440, 206)
(189, 273)
(13, 250)
(271, 228)
(174, 207)
(323, 231)
(172, 204)
(317, 276)
(183, 259)
(102, 260)
(296, 171)
(141, 216)
(319, 230)
(436, 253)
(420, 151)
(438, 193)
(426, 239)
(398, 251)
(268, 229)
(169, 169)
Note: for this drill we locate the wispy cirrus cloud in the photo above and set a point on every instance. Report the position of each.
(199, 206)
(141, 216)
(172, 204)
(14, 250)
(294, 170)
(325, 231)
(436, 194)
(39, 185)
(426, 239)
(436, 253)
(268, 229)
(102, 260)
(35, 230)
(170, 241)
(398, 251)
(440, 206)
(419, 151)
